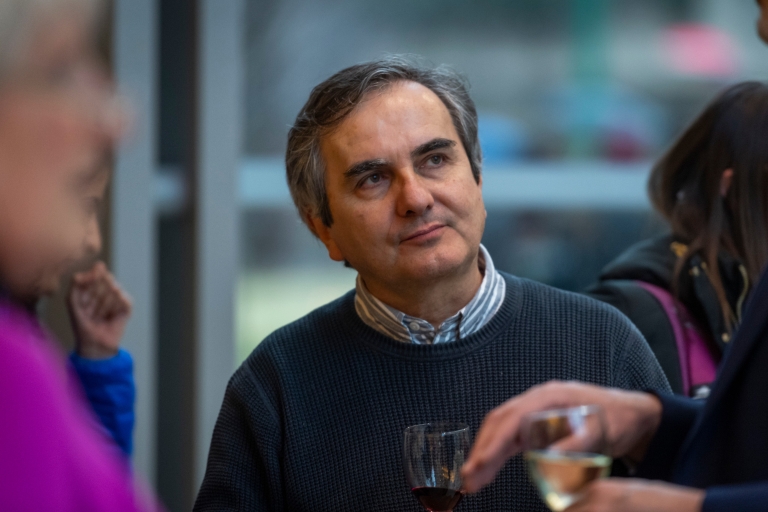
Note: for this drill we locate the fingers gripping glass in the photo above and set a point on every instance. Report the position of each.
(433, 456)
(565, 450)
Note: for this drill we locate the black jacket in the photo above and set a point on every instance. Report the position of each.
(653, 261)
(721, 445)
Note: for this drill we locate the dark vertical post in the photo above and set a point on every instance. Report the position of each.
(176, 257)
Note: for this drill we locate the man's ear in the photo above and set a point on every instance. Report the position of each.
(323, 232)
(480, 184)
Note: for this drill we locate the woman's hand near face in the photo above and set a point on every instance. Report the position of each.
(99, 309)
(628, 495)
(631, 420)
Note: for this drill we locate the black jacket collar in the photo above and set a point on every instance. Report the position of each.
(653, 261)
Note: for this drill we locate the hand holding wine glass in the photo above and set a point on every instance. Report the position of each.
(565, 450)
(433, 456)
(632, 419)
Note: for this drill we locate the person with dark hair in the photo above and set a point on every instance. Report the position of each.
(685, 291)
(689, 455)
(762, 22)
(384, 166)
(712, 455)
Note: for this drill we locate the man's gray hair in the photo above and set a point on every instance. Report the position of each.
(334, 99)
(21, 19)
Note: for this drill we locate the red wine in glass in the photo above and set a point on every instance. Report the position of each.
(437, 499)
(433, 455)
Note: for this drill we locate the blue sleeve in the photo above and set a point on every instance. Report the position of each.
(751, 497)
(111, 391)
(677, 418)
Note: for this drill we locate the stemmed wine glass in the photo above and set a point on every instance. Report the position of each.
(565, 450)
(433, 455)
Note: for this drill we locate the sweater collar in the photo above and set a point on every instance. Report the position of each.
(507, 315)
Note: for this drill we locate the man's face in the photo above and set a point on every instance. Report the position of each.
(762, 24)
(405, 205)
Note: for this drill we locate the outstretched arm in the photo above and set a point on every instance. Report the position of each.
(632, 420)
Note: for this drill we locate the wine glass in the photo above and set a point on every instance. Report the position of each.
(565, 450)
(433, 455)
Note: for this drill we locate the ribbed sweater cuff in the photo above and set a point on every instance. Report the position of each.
(109, 370)
(109, 387)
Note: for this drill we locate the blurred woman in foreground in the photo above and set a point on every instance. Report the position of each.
(685, 291)
(58, 121)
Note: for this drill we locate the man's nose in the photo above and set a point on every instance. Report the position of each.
(414, 197)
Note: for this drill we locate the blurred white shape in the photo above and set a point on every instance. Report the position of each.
(567, 185)
(171, 190)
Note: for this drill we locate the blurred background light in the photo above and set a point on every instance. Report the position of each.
(701, 50)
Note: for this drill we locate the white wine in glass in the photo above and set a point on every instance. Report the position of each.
(565, 452)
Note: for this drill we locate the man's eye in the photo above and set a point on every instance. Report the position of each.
(372, 180)
(436, 159)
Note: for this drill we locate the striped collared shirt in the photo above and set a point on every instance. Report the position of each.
(469, 319)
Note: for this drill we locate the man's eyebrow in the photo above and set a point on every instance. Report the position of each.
(431, 146)
(372, 165)
(365, 166)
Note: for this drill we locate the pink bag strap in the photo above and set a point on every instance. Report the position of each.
(697, 364)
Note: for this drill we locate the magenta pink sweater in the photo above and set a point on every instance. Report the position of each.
(53, 456)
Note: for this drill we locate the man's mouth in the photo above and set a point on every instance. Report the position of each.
(424, 232)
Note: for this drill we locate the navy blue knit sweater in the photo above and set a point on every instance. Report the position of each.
(313, 420)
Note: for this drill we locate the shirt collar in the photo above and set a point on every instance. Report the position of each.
(468, 320)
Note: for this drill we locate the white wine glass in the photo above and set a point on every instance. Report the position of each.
(433, 454)
(565, 450)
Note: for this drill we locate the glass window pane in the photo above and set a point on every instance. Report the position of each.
(585, 92)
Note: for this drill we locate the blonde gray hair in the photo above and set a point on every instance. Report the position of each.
(20, 21)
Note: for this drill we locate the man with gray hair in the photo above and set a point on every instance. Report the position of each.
(384, 166)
